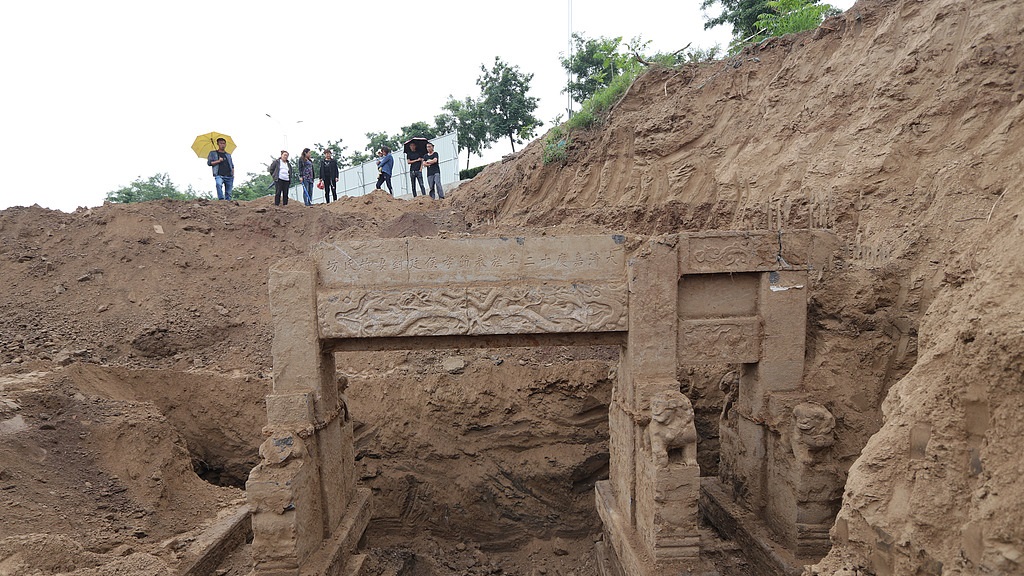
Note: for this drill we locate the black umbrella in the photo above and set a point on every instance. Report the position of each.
(421, 145)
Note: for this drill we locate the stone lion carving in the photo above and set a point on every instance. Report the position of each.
(813, 431)
(672, 427)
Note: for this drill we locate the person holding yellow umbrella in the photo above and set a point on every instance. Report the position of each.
(218, 148)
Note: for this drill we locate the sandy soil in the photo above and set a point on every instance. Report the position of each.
(135, 339)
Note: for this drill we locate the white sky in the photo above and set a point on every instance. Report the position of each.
(101, 93)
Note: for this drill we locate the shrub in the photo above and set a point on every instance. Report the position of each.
(556, 146)
(469, 173)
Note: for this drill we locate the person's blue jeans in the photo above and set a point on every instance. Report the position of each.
(224, 185)
(307, 192)
(417, 175)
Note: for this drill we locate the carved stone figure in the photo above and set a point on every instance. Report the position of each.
(672, 427)
(813, 431)
(730, 387)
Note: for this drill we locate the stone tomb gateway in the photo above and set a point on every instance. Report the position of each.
(734, 297)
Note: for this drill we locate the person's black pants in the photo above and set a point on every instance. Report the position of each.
(417, 175)
(385, 178)
(281, 190)
(330, 186)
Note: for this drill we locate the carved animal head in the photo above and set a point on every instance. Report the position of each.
(671, 405)
(813, 424)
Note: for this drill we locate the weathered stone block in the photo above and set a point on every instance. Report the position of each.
(707, 296)
(335, 467)
(296, 346)
(286, 520)
(730, 252)
(720, 341)
(440, 261)
(749, 469)
(290, 410)
(677, 482)
(653, 294)
(622, 455)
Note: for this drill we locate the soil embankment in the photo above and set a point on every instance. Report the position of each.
(136, 340)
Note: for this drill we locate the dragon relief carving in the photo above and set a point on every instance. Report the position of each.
(475, 310)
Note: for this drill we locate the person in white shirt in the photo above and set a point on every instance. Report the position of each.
(281, 170)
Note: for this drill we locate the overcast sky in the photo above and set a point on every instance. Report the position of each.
(101, 93)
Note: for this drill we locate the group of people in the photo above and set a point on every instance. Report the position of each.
(417, 160)
(281, 171)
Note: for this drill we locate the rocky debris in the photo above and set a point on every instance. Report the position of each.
(454, 364)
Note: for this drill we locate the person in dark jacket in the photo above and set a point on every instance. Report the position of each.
(385, 164)
(281, 171)
(223, 169)
(414, 158)
(306, 175)
(329, 176)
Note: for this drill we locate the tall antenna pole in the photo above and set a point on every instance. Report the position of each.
(568, 72)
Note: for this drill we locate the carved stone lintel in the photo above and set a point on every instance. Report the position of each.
(470, 310)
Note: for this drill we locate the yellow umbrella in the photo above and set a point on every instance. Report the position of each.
(206, 143)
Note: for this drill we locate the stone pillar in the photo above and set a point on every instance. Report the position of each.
(301, 489)
(782, 306)
(284, 491)
(668, 481)
(648, 364)
(649, 507)
(807, 483)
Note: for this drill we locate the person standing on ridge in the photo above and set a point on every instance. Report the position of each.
(415, 160)
(329, 176)
(385, 164)
(432, 163)
(281, 171)
(223, 169)
(306, 176)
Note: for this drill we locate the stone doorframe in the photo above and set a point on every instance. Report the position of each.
(712, 298)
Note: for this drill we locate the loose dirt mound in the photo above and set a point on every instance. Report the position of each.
(136, 339)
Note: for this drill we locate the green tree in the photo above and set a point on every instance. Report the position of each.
(156, 187)
(257, 186)
(377, 140)
(417, 130)
(337, 152)
(468, 119)
(593, 65)
(790, 17)
(741, 14)
(755, 20)
(509, 111)
(356, 158)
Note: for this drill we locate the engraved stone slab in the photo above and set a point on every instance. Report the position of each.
(360, 263)
(442, 261)
(729, 252)
(472, 310)
(733, 340)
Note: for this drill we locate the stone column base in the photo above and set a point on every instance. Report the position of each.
(622, 552)
(337, 556)
(735, 522)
